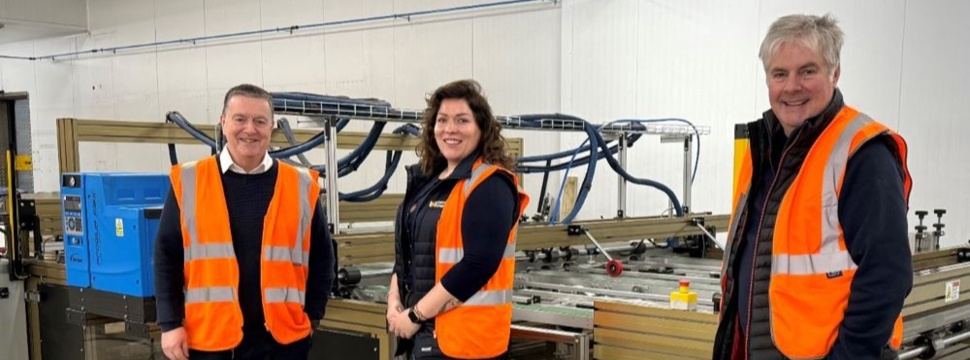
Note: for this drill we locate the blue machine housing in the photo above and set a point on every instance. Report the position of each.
(110, 221)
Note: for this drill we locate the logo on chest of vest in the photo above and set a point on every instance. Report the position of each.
(436, 204)
(833, 274)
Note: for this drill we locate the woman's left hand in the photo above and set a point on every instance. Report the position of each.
(402, 325)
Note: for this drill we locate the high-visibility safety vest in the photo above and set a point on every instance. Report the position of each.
(811, 269)
(213, 318)
(480, 327)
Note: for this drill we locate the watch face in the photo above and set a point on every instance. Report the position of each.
(413, 316)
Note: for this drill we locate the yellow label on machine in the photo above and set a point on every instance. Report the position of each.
(119, 227)
(23, 163)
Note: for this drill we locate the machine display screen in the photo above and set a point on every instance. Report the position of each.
(72, 203)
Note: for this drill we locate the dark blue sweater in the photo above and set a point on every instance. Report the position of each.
(247, 198)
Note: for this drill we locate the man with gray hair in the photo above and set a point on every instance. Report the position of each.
(818, 260)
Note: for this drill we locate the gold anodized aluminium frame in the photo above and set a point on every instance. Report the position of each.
(71, 132)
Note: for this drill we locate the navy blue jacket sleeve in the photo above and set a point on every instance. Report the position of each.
(168, 262)
(872, 211)
(322, 263)
(487, 219)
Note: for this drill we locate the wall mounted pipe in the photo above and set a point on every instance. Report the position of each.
(288, 29)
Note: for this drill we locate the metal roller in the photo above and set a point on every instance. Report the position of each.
(352, 275)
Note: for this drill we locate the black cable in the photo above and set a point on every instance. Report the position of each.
(172, 154)
(542, 192)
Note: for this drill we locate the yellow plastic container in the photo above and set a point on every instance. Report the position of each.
(683, 298)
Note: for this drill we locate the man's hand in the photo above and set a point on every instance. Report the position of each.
(174, 344)
(402, 326)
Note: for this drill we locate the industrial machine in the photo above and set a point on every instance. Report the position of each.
(110, 221)
(560, 290)
(13, 315)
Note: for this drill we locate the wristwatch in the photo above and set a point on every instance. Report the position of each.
(414, 316)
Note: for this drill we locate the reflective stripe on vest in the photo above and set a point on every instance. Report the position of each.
(482, 297)
(476, 175)
(210, 294)
(295, 254)
(493, 297)
(195, 251)
(453, 255)
(830, 258)
(480, 326)
(284, 295)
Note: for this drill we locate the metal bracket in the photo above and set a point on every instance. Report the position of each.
(76, 317)
(30, 223)
(699, 222)
(137, 329)
(963, 255)
(574, 230)
(32, 296)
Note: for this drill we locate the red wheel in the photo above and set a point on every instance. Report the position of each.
(614, 268)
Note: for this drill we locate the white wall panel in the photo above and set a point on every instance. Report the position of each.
(293, 62)
(94, 89)
(428, 55)
(18, 75)
(51, 98)
(51, 13)
(105, 14)
(520, 76)
(695, 63)
(598, 54)
(933, 112)
(182, 71)
(284, 13)
(359, 59)
(234, 61)
(601, 60)
(649, 60)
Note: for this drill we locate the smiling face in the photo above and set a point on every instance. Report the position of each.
(247, 123)
(455, 131)
(800, 84)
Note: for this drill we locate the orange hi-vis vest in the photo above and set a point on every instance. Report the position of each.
(480, 327)
(811, 269)
(213, 318)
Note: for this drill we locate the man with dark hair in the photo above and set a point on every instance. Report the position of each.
(818, 261)
(243, 257)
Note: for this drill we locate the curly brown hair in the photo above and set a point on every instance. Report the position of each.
(492, 147)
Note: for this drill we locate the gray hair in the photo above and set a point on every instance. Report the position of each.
(821, 34)
(248, 90)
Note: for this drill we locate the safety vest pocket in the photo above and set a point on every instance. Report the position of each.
(806, 311)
